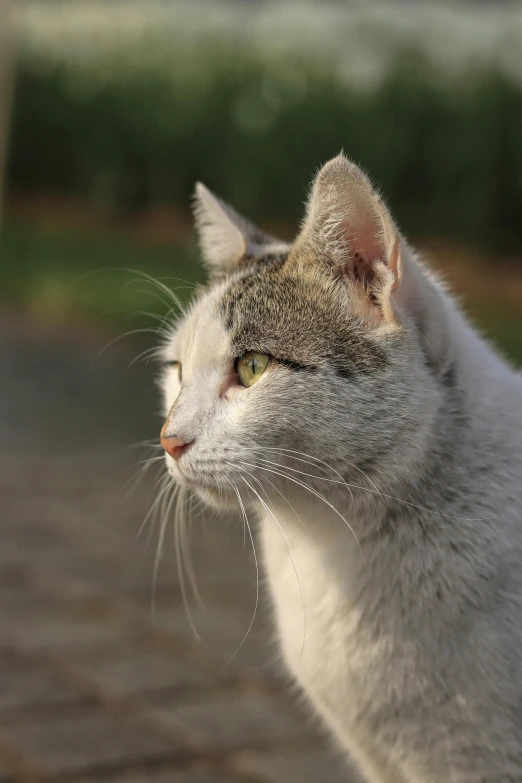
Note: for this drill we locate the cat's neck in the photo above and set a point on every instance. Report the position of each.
(434, 520)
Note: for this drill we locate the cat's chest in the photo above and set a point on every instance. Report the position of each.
(315, 588)
(330, 622)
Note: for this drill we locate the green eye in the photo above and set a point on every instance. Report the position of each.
(251, 366)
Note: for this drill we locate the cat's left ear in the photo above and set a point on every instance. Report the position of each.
(348, 226)
(226, 238)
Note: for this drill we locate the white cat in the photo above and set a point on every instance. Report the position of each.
(334, 386)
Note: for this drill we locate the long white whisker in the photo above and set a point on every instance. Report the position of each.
(161, 286)
(330, 467)
(151, 443)
(148, 352)
(142, 469)
(186, 552)
(287, 546)
(154, 505)
(178, 520)
(188, 284)
(300, 472)
(119, 337)
(165, 321)
(291, 452)
(263, 490)
(143, 276)
(245, 517)
(385, 495)
(148, 293)
(151, 460)
(159, 550)
(314, 492)
(297, 515)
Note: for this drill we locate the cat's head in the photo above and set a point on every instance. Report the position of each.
(325, 350)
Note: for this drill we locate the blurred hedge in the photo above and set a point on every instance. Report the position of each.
(135, 123)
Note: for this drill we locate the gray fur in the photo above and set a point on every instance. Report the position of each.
(396, 574)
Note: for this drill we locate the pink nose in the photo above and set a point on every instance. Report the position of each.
(174, 446)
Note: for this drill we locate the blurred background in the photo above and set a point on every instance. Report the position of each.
(109, 113)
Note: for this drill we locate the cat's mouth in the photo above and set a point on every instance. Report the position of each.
(213, 495)
(213, 489)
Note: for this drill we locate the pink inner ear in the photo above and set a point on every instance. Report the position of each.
(364, 250)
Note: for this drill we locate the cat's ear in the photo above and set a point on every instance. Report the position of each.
(348, 226)
(225, 237)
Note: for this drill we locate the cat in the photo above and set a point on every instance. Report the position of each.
(334, 386)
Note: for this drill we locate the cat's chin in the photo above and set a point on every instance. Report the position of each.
(213, 496)
(216, 498)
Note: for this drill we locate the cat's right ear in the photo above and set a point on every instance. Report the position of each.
(226, 238)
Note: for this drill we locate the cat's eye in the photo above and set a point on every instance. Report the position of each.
(251, 366)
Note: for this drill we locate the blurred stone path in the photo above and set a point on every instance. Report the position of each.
(94, 686)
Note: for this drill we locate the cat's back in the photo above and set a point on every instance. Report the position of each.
(488, 427)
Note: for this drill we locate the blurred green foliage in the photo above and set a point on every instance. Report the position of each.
(503, 329)
(74, 275)
(66, 275)
(125, 105)
(135, 125)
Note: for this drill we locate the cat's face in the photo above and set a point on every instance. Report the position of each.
(293, 358)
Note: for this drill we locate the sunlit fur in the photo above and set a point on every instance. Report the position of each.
(380, 456)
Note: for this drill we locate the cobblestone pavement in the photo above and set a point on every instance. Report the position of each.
(94, 684)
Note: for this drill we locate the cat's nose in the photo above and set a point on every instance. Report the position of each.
(174, 446)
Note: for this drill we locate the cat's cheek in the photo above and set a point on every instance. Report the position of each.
(231, 392)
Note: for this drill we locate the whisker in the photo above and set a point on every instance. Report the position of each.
(262, 490)
(147, 292)
(317, 494)
(159, 549)
(287, 546)
(159, 512)
(152, 443)
(186, 551)
(178, 520)
(165, 321)
(188, 283)
(291, 453)
(149, 352)
(245, 517)
(200, 507)
(152, 459)
(294, 470)
(154, 316)
(128, 271)
(165, 479)
(134, 481)
(382, 495)
(298, 517)
(146, 329)
(157, 282)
